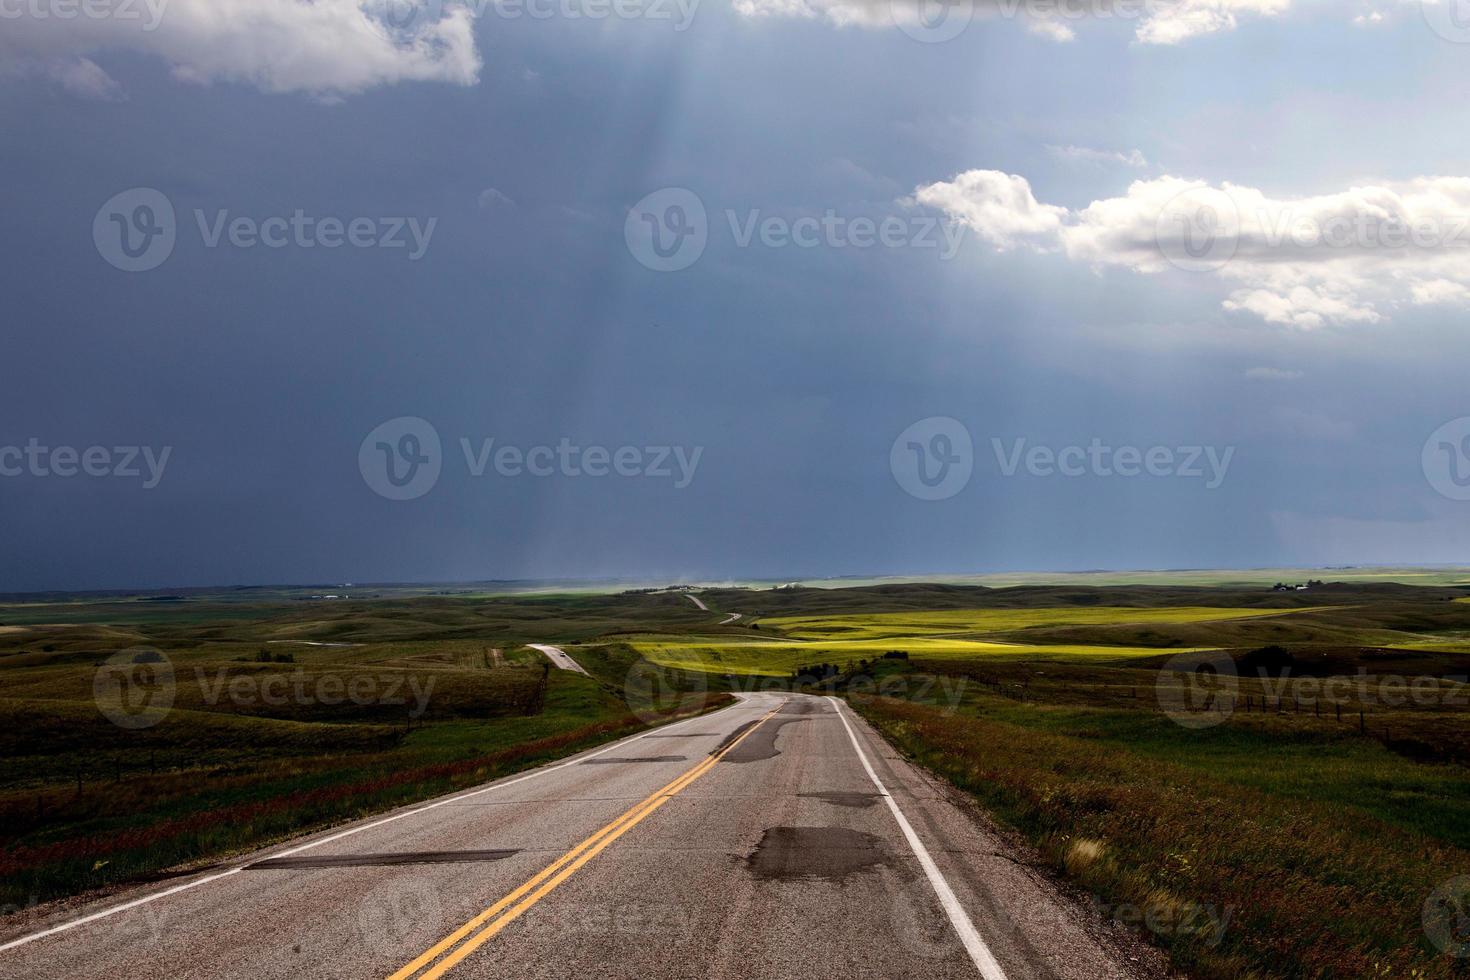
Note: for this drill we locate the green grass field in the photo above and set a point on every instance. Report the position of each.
(786, 642)
(776, 658)
(959, 622)
(1319, 816)
(279, 719)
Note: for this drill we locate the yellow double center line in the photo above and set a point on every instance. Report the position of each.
(440, 958)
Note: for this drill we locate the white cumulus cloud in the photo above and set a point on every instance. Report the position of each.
(1154, 22)
(1177, 22)
(999, 207)
(1345, 257)
(324, 47)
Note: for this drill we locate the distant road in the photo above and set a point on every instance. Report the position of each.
(559, 657)
(696, 600)
(727, 622)
(780, 838)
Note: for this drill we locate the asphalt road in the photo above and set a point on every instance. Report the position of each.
(559, 657)
(752, 842)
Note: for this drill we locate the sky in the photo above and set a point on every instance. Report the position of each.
(706, 290)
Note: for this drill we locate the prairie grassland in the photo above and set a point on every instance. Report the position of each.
(279, 721)
(1320, 838)
(776, 658)
(1302, 837)
(1245, 578)
(962, 622)
(1313, 849)
(786, 642)
(200, 786)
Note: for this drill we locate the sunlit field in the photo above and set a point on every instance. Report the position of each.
(950, 634)
(780, 658)
(1332, 807)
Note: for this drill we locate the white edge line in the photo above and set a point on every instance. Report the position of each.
(155, 896)
(969, 936)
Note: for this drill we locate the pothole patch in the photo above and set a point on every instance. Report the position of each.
(829, 853)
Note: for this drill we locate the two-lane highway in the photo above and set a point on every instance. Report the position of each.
(779, 837)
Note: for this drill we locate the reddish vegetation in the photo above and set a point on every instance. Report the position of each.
(1310, 892)
(245, 824)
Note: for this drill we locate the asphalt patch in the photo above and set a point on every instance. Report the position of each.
(828, 853)
(635, 758)
(685, 735)
(728, 739)
(854, 800)
(762, 742)
(378, 860)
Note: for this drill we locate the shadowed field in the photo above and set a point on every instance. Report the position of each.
(235, 724)
(1296, 823)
